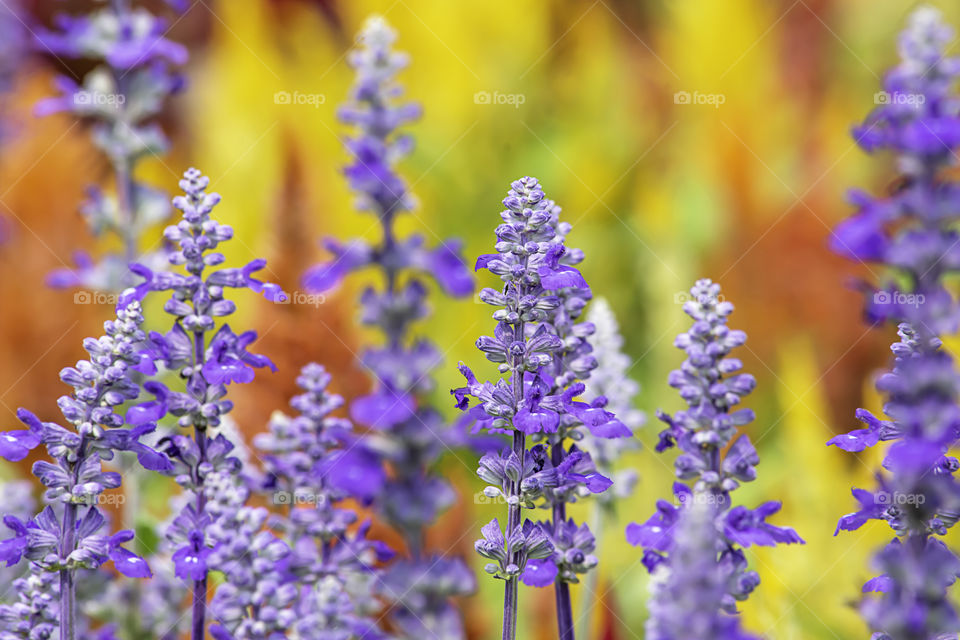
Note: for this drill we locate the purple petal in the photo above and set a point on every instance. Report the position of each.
(561, 277)
(226, 371)
(15, 445)
(484, 260)
(539, 573)
(130, 564)
(881, 584)
(355, 471)
(382, 410)
(448, 268)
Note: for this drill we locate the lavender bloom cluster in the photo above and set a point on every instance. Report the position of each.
(574, 361)
(66, 536)
(913, 231)
(543, 352)
(714, 458)
(312, 463)
(688, 597)
(122, 97)
(409, 433)
(207, 359)
(256, 599)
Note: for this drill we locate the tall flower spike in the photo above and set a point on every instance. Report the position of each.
(312, 463)
(256, 599)
(122, 96)
(539, 351)
(65, 536)
(411, 434)
(713, 457)
(207, 357)
(688, 596)
(576, 474)
(913, 231)
(610, 381)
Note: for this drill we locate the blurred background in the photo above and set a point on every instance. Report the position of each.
(683, 138)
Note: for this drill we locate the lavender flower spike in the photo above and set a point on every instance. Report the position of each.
(312, 463)
(914, 232)
(687, 597)
(534, 399)
(713, 457)
(208, 358)
(122, 96)
(256, 599)
(66, 535)
(410, 434)
(577, 476)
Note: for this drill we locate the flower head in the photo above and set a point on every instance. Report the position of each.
(715, 458)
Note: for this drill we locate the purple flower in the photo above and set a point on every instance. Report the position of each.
(714, 457)
(383, 410)
(870, 509)
(123, 94)
(409, 435)
(151, 411)
(127, 562)
(315, 456)
(690, 595)
(748, 527)
(539, 342)
(228, 359)
(355, 471)
(912, 233)
(346, 258)
(16, 445)
(208, 357)
(73, 475)
(12, 549)
(190, 560)
(540, 573)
